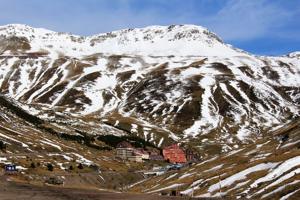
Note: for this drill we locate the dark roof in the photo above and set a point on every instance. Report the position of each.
(156, 157)
(124, 144)
(173, 146)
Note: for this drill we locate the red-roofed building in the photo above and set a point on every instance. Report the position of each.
(174, 154)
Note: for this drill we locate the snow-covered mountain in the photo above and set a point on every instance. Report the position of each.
(161, 83)
(180, 40)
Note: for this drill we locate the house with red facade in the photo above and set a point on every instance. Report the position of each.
(174, 154)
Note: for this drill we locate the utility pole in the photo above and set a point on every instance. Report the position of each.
(220, 186)
(193, 187)
(192, 191)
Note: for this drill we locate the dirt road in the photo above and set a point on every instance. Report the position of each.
(19, 191)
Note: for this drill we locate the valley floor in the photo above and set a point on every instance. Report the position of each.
(11, 190)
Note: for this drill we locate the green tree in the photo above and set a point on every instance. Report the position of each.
(50, 167)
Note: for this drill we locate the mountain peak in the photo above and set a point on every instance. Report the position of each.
(19, 29)
(184, 32)
(294, 54)
(181, 40)
(178, 40)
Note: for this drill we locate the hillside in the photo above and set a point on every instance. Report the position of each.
(268, 169)
(67, 99)
(210, 94)
(33, 144)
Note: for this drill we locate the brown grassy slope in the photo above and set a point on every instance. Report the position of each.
(211, 170)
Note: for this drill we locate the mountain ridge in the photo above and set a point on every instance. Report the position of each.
(159, 98)
(192, 27)
(67, 100)
(151, 40)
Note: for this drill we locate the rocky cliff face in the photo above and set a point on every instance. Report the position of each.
(163, 84)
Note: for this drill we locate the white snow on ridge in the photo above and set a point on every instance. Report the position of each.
(155, 47)
(279, 189)
(3, 160)
(14, 140)
(208, 118)
(153, 40)
(166, 188)
(240, 176)
(82, 159)
(289, 195)
(94, 92)
(278, 171)
(48, 142)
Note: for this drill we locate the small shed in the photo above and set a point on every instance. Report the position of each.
(142, 152)
(156, 157)
(191, 156)
(10, 168)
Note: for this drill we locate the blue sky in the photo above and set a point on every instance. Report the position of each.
(269, 27)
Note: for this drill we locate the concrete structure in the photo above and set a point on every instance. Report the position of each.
(126, 151)
(135, 158)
